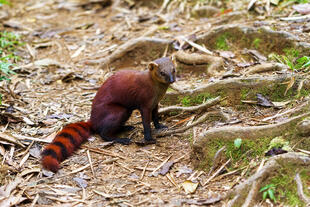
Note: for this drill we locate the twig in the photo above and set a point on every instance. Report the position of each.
(162, 164)
(91, 164)
(195, 45)
(216, 173)
(143, 171)
(105, 152)
(200, 120)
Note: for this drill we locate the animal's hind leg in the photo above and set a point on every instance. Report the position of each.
(113, 122)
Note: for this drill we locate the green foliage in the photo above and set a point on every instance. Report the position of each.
(269, 190)
(221, 43)
(291, 59)
(256, 42)
(301, 1)
(4, 2)
(8, 44)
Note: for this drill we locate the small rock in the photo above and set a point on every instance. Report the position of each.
(303, 127)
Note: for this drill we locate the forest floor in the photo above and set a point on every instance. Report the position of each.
(64, 62)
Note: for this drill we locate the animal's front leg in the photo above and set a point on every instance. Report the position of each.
(155, 119)
(146, 120)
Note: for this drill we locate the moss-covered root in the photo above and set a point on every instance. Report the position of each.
(289, 162)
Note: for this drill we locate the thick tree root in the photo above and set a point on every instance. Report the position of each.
(216, 64)
(265, 67)
(247, 191)
(231, 86)
(243, 37)
(131, 45)
(253, 132)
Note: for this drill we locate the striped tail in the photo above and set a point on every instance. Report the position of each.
(64, 144)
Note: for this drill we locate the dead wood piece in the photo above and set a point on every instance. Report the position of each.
(266, 67)
(255, 132)
(205, 105)
(215, 63)
(129, 46)
(275, 163)
(300, 190)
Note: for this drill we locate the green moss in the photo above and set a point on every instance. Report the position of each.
(244, 93)
(221, 43)
(304, 92)
(195, 100)
(249, 150)
(277, 92)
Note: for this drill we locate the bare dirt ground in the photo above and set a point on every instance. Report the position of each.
(62, 67)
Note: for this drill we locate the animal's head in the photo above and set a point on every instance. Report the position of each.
(163, 70)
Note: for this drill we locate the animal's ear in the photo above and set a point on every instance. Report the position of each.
(152, 66)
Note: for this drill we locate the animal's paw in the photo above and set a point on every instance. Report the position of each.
(124, 141)
(146, 142)
(161, 126)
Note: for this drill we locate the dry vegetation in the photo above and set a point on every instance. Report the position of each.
(242, 90)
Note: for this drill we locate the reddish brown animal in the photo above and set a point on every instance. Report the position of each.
(122, 93)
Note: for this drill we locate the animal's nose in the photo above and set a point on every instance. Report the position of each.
(172, 78)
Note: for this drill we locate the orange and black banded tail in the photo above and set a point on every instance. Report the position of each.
(64, 144)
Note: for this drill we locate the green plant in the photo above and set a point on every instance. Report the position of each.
(4, 2)
(237, 143)
(9, 42)
(301, 1)
(268, 190)
(291, 59)
(221, 43)
(256, 42)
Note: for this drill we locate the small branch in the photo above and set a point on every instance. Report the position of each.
(200, 120)
(205, 105)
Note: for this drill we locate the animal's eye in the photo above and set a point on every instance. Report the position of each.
(162, 73)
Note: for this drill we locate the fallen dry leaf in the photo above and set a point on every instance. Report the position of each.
(189, 186)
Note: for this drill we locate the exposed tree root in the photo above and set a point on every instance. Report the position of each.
(255, 132)
(243, 37)
(205, 105)
(300, 190)
(242, 193)
(265, 67)
(233, 84)
(131, 45)
(215, 63)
